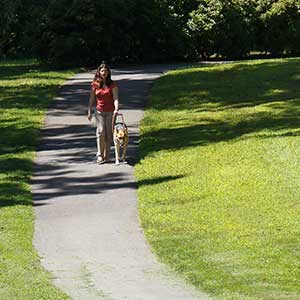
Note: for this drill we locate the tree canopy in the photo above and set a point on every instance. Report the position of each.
(67, 33)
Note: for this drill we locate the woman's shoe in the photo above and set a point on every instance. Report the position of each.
(100, 160)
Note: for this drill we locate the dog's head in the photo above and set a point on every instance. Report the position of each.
(120, 134)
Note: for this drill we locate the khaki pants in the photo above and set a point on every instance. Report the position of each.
(104, 133)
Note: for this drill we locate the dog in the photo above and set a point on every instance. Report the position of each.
(121, 138)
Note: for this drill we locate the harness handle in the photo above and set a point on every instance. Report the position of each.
(115, 118)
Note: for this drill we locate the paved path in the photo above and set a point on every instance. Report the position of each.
(87, 230)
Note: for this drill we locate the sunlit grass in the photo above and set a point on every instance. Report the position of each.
(25, 92)
(219, 177)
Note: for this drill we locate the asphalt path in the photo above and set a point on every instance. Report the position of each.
(87, 230)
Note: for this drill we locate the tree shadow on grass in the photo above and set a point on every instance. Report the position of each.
(13, 193)
(14, 174)
(215, 131)
(233, 86)
(16, 69)
(158, 180)
(220, 90)
(30, 68)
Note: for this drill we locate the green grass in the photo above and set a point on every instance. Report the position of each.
(219, 177)
(25, 92)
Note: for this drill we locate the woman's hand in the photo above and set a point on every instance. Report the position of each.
(89, 116)
(91, 104)
(116, 111)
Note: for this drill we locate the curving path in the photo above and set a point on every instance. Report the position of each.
(87, 231)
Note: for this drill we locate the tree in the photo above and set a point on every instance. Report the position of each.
(86, 32)
(222, 28)
(8, 21)
(279, 26)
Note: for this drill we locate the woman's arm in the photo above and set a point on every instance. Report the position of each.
(91, 104)
(115, 92)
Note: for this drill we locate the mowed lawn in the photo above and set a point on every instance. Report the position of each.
(219, 177)
(25, 92)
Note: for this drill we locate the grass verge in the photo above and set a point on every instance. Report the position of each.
(25, 92)
(219, 177)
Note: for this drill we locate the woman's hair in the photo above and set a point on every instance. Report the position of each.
(99, 80)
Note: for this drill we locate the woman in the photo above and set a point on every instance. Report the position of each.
(104, 97)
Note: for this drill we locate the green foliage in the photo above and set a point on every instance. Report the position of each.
(203, 26)
(8, 21)
(280, 26)
(85, 32)
(223, 28)
(25, 92)
(218, 177)
(233, 28)
(20, 23)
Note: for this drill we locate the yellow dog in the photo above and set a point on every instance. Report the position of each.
(121, 138)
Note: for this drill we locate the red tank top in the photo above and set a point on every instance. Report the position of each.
(104, 97)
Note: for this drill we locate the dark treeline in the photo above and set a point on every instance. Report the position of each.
(83, 32)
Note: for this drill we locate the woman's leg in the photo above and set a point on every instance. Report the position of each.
(100, 134)
(108, 134)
